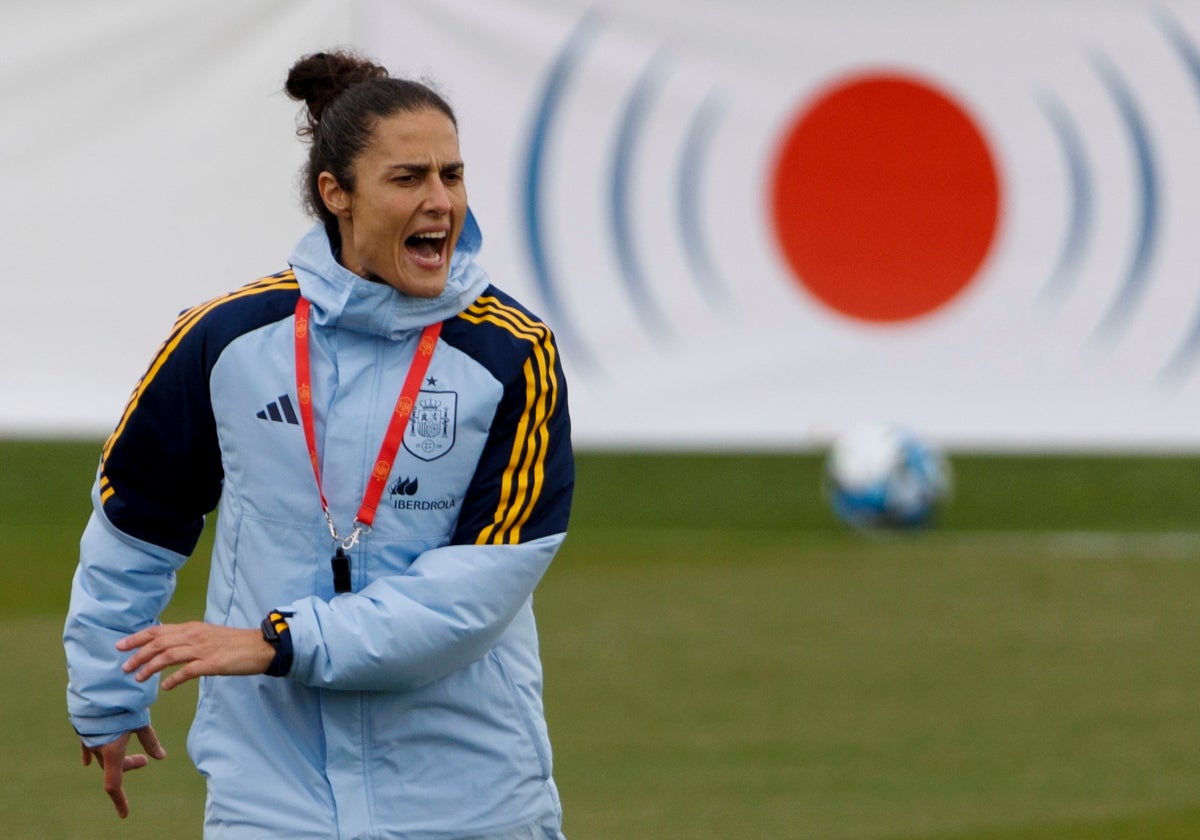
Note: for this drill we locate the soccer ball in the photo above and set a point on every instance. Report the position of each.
(882, 476)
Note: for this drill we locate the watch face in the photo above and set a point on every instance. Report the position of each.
(269, 632)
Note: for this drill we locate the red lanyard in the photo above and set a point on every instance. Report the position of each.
(395, 429)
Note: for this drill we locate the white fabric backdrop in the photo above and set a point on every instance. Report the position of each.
(151, 164)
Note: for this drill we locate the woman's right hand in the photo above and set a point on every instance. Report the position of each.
(112, 758)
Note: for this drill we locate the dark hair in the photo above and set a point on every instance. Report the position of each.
(346, 94)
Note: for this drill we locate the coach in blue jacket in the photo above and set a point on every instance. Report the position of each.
(386, 438)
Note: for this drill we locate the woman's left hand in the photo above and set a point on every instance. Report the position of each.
(202, 649)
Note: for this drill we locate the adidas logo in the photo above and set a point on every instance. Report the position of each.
(280, 411)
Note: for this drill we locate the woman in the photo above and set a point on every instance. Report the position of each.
(368, 659)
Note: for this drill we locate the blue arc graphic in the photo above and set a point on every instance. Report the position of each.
(699, 140)
(561, 70)
(1079, 221)
(1185, 357)
(1133, 285)
(621, 216)
(622, 182)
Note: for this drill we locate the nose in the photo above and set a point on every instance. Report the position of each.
(437, 197)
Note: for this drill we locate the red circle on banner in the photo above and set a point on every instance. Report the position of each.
(885, 198)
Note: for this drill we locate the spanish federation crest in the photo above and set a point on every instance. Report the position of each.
(430, 430)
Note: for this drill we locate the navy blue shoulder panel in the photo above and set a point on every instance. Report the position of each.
(496, 331)
(524, 481)
(160, 471)
(256, 305)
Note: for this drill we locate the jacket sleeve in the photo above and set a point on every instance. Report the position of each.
(159, 474)
(120, 586)
(454, 602)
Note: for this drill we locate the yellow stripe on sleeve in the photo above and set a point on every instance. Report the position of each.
(523, 478)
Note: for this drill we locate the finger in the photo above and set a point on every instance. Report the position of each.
(134, 762)
(189, 671)
(120, 802)
(145, 653)
(112, 786)
(148, 738)
(86, 754)
(163, 659)
(141, 637)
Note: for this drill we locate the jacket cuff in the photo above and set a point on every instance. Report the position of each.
(96, 732)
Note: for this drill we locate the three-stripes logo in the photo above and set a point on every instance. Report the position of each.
(280, 411)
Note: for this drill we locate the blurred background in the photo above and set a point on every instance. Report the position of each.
(753, 226)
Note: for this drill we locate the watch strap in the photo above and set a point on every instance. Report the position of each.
(276, 631)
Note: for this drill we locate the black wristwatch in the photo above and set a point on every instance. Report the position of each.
(278, 635)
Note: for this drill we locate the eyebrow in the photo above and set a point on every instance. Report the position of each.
(422, 169)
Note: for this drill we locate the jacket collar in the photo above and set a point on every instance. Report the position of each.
(343, 300)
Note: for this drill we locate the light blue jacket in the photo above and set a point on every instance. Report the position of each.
(413, 708)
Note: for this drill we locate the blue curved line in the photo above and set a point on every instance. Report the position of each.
(1134, 283)
(561, 70)
(699, 140)
(620, 214)
(1185, 355)
(1079, 220)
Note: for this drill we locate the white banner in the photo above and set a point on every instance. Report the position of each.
(149, 163)
(751, 226)
(762, 225)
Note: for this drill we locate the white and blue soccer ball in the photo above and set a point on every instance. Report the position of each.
(883, 476)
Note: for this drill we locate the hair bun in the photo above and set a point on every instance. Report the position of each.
(319, 78)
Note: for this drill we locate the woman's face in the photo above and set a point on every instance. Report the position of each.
(409, 203)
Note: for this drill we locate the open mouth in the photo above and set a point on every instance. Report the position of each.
(427, 249)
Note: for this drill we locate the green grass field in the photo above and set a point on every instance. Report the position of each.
(724, 661)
